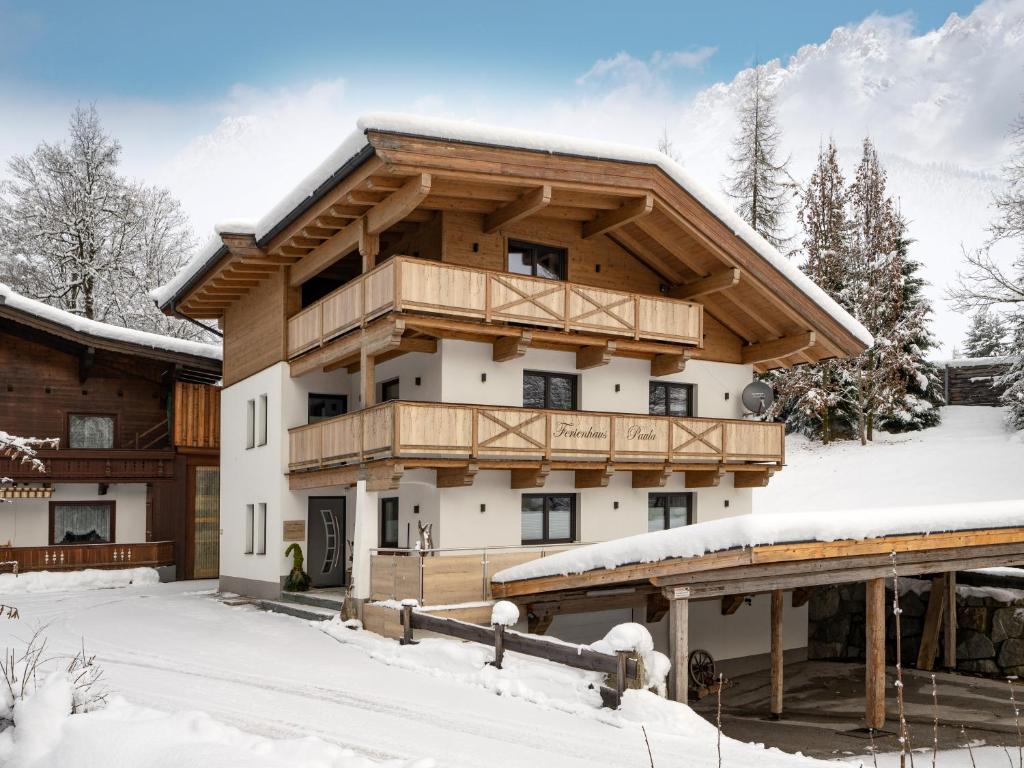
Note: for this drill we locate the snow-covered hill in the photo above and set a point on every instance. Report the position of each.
(970, 457)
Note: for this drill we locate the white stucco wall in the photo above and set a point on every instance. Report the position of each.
(25, 522)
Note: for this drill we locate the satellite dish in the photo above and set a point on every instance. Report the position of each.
(757, 397)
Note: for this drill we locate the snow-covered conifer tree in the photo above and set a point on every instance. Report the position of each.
(79, 236)
(760, 183)
(987, 336)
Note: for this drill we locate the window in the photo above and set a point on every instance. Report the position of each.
(90, 431)
(322, 407)
(537, 260)
(389, 390)
(250, 424)
(261, 529)
(549, 390)
(668, 399)
(82, 522)
(250, 527)
(549, 518)
(389, 523)
(669, 510)
(261, 422)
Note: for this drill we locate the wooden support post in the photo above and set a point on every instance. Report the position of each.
(530, 478)
(654, 478)
(679, 643)
(752, 479)
(456, 477)
(703, 478)
(949, 639)
(407, 625)
(367, 380)
(620, 675)
(801, 595)
(874, 654)
(594, 478)
(929, 647)
(664, 365)
(731, 604)
(538, 625)
(507, 348)
(499, 645)
(776, 653)
(592, 357)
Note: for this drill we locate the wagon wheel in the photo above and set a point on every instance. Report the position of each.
(702, 668)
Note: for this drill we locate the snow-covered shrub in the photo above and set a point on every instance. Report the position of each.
(505, 613)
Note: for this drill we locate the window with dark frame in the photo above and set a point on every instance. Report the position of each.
(389, 390)
(548, 518)
(322, 407)
(91, 431)
(669, 510)
(82, 522)
(668, 398)
(389, 523)
(556, 391)
(537, 260)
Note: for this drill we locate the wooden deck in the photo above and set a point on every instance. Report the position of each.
(399, 429)
(419, 286)
(71, 557)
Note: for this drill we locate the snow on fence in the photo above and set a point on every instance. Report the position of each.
(624, 665)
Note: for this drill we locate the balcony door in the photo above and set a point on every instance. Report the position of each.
(325, 562)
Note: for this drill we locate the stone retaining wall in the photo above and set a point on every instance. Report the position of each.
(990, 626)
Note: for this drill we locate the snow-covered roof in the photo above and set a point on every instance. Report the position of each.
(477, 133)
(10, 298)
(760, 530)
(975, 362)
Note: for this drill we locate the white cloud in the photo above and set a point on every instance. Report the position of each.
(624, 67)
(937, 105)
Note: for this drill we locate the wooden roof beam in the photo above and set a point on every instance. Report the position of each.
(626, 213)
(779, 348)
(526, 205)
(326, 254)
(719, 281)
(398, 205)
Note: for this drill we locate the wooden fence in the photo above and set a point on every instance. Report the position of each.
(68, 557)
(408, 429)
(621, 666)
(405, 284)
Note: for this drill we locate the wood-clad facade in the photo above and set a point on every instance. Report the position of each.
(132, 423)
(489, 352)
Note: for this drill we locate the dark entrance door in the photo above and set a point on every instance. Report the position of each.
(325, 561)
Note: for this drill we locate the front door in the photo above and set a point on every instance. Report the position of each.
(325, 561)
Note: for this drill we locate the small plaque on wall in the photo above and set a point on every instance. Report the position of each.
(294, 530)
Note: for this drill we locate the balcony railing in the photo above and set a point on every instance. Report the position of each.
(94, 465)
(65, 557)
(400, 429)
(405, 284)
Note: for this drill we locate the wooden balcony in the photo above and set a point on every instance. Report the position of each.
(69, 557)
(94, 466)
(442, 435)
(420, 287)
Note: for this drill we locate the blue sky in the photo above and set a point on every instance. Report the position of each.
(187, 50)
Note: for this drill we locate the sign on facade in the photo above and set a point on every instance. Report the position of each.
(294, 530)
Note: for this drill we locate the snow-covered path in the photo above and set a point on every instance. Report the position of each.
(174, 647)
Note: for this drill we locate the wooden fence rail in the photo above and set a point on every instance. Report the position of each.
(405, 284)
(621, 666)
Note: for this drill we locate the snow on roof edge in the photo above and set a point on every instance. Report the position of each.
(752, 530)
(13, 299)
(971, 362)
(455, 130)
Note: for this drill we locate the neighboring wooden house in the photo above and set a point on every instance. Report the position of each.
(135, 479)
(972, 380)
(521, 341)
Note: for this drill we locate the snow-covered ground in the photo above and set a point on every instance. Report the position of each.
(176, 649)
(970, 457)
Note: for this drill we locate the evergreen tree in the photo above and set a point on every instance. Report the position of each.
(76, 234)
(915, 404)
(1013, 380)
(760, 182)
(987, 335)
(873, 293)
(814, 399)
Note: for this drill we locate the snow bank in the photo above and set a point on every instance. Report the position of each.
(455, 130)
(763, 529)
(104, 331)
(505, 613)
(124, 735)
(76, 581)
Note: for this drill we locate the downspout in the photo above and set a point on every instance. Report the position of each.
(178, 313)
